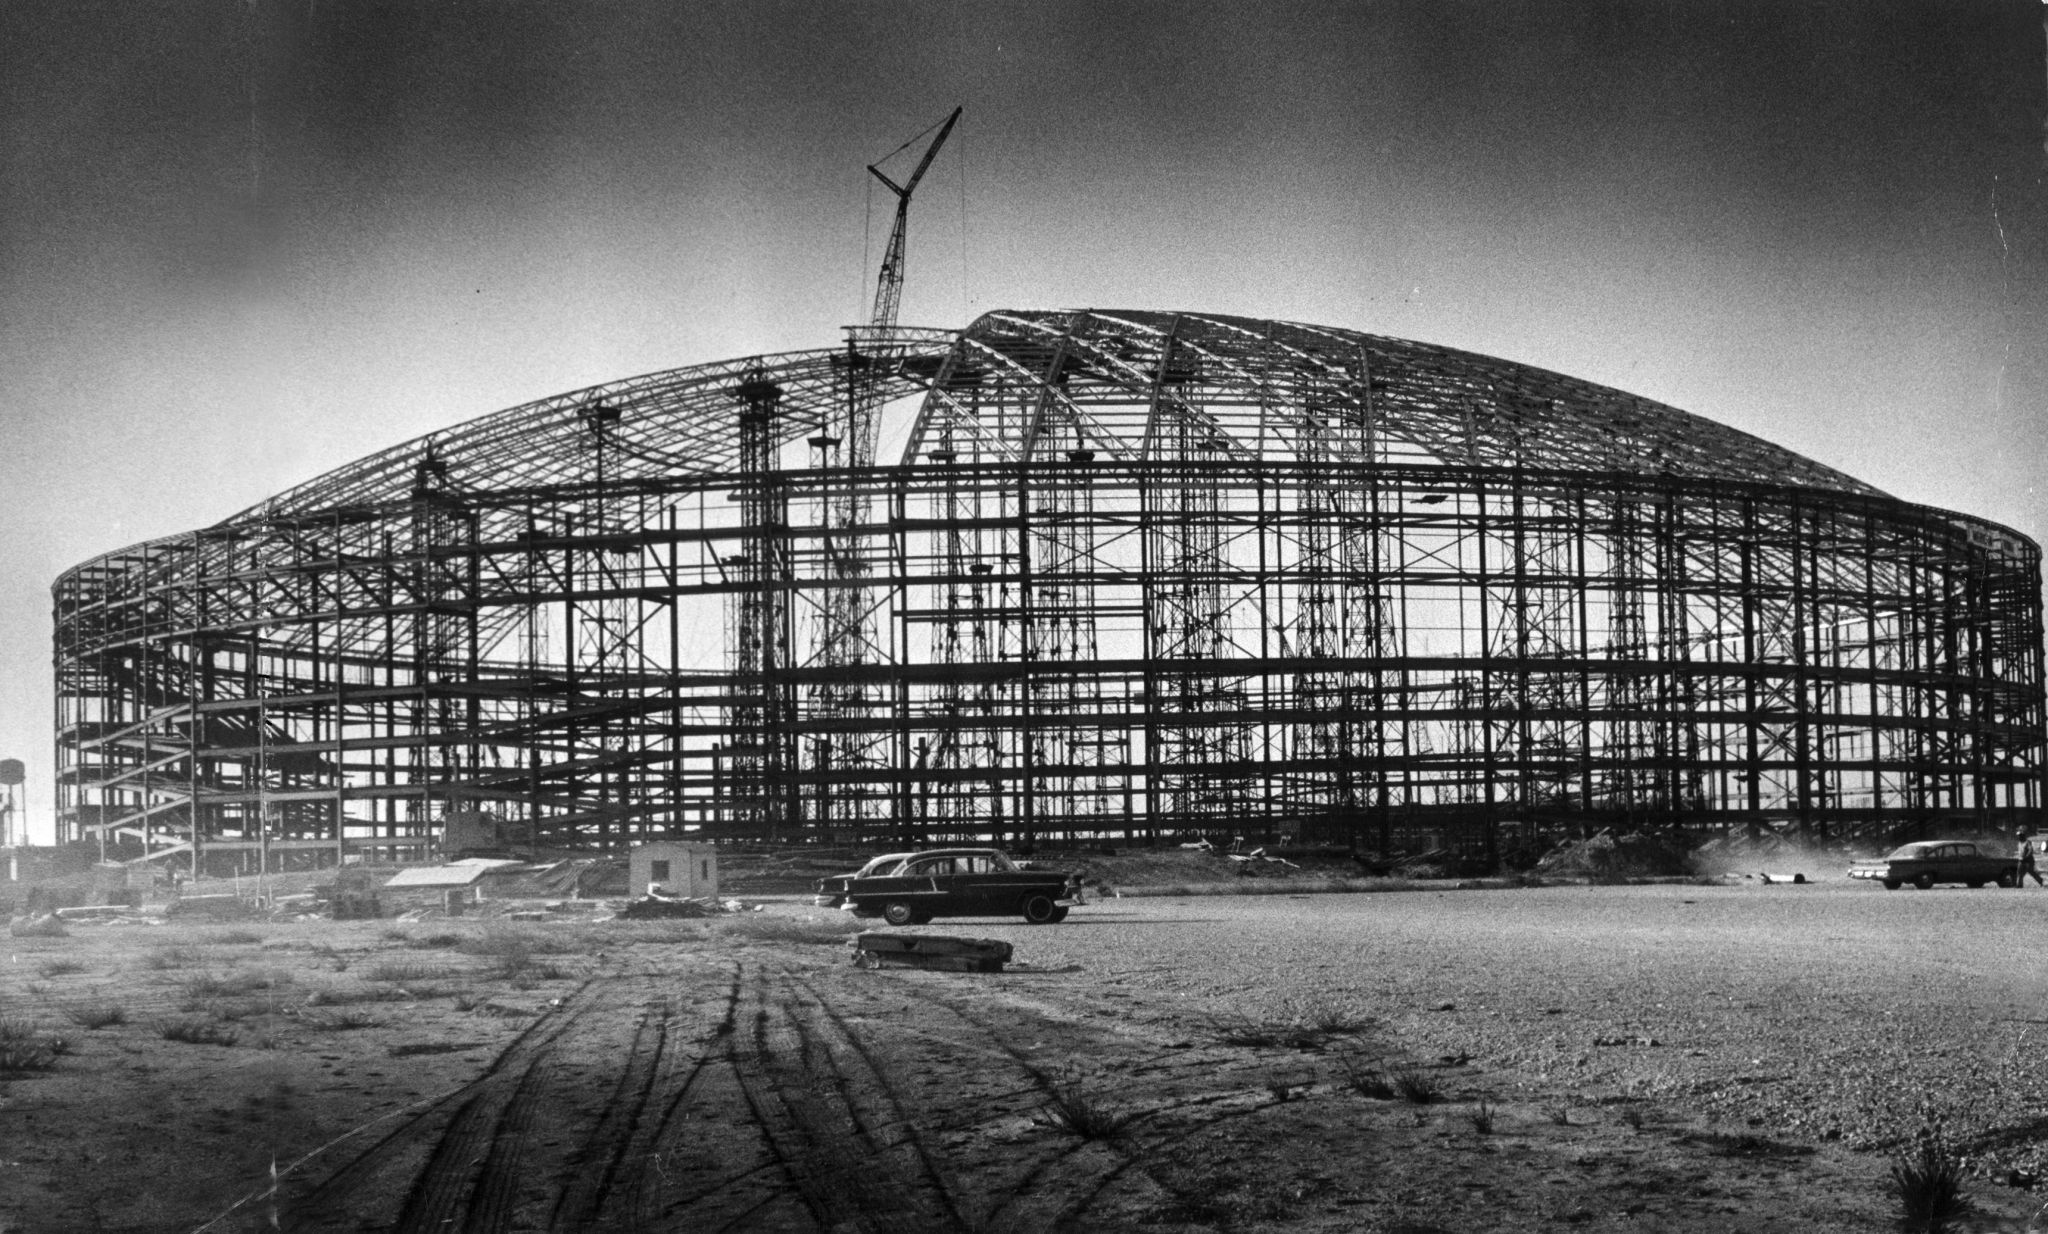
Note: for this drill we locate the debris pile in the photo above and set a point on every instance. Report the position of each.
(653, 908)
(937, 951)
(1605, 856)
(1258, 861)
(36, 925)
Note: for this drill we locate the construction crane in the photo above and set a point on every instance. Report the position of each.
(848, 756)
(889, 290)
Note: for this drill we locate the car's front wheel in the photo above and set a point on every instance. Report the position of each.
(1041, 909)
(1925, 882)
(2006, 881)
(898, 913)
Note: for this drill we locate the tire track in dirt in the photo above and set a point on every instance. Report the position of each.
(1021, 1203)
(832, 1079)
(630, 1134)
(471, 1179)
(371, 1172)
(615, 1131)
(468, 1180)
(826, 1124)
(1061, 1186)
(865, 1074)
(1062, 1193)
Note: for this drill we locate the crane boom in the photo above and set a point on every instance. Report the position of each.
(889, 284)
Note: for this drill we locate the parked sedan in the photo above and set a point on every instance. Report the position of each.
(954, 882)
(1928, 862)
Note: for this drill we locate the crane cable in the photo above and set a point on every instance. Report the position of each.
(966, 304)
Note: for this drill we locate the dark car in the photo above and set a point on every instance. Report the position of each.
(954, 882)
(1928, 862)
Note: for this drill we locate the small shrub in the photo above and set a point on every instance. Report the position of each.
(18, 1055)
(195, 1032)
(343, 1021)
(98, 1015)
(172, 957)
(365, 994)
(1929, 1184)
(17, 1030)
(1335, 1020)
(200, 989)
(1561, 1115)
(1308, 1029)
(1633, 1117)
(49, 925)
(400, 973)
(468, 1000)
(510, 943)
(1363, 1076)
(58, 968)
(1481, 1117)
(1076, 1109)
(1248, 1033)
(1417, 1087)
(438, 940)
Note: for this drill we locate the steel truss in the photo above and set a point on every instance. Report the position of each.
(1136, 573)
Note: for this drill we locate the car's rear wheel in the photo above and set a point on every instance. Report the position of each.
(898, 913)
(1925, 882)
(1891, 884)
(1059, 913)
(1040, 909)
(2006, 880)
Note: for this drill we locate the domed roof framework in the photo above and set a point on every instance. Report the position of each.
(1135, 572)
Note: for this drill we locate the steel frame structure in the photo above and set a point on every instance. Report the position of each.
(1134, 573)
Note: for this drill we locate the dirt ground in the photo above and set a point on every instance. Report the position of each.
(1663, 1057)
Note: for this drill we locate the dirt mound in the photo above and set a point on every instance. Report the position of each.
(1606, 856)
(1741, 854)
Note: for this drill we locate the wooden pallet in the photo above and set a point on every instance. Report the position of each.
(959, 955)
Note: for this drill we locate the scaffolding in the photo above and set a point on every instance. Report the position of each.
(1135, 574)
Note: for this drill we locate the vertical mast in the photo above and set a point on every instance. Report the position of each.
(852, 751)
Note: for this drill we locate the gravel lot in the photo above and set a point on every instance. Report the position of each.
(1832, 1007)
(1667, 1057)
(1831, 1019)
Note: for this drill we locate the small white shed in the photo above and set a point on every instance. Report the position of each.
(681, 867)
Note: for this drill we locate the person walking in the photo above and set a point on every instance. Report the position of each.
(2027, 869)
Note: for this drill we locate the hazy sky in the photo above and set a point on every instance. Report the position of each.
(244, 242)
